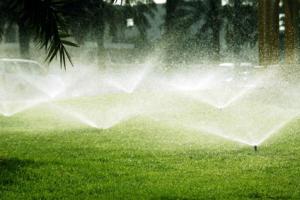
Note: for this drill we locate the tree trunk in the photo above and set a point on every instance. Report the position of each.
(24, 41)
(10, 34)
(268, 32)
(101, 52)
(274, 32)
(236, 43)
(170, 10)
(261, 32)
(215, 6)
(291, 9)
(170, 35)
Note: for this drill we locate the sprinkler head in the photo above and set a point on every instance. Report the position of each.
(255, 147)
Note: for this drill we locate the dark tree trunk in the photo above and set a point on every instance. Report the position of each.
(291, 9)
(98, 31)
(171, 6)
(170, 35)
(236, 29)
(215, 6)
(261, 32)
(274, 32)
(10, 33)
(24, 41)
(101, 52)
(268, 26)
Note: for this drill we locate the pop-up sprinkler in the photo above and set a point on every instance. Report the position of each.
(255, 147)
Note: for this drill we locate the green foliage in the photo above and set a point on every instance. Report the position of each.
(192, 30)
(241, 26)
(4, 16)
(45, 18)
(87, 20)
(196, 27)
(139, 13)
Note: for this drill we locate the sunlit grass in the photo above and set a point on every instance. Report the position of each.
(46, 155)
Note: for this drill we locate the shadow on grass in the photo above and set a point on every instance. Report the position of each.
(11, 168)
(173, 198)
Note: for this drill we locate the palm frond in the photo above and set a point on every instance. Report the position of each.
(45, 18)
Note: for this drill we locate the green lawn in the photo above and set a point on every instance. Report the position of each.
(48, 156)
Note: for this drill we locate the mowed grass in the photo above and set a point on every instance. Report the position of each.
(46, 155)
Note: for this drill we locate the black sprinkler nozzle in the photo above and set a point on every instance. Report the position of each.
(255, 147)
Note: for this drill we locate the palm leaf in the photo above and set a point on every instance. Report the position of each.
(45, 18)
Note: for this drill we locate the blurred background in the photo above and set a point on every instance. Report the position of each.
(177, 32)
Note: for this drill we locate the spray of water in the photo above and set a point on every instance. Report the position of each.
(247, 106)
(10, 108)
